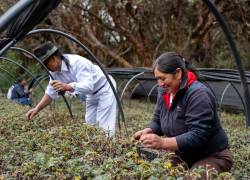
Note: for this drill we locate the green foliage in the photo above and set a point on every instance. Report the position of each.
(54, 146)
(239, 141)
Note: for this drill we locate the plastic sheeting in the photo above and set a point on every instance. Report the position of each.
(28, 19)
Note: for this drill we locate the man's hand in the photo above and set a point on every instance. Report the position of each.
(152, 141)
(138, 134)
(59, 86)
(31, 113)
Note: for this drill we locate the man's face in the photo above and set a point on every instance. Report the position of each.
(53, 64)
(23, 82)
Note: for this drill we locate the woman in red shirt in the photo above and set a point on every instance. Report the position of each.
(186, 119)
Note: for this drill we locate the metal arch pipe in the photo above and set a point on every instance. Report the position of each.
(24, 51)
(224, 92)
(142, 88)
(27, 72)
(222, 79)
(244, 107)
(236, 55)
(126, 86)
(10, 75)
(19, 65)
(1, 92)
(7, 72)
(222, 72)
(46, 69)
(91, 55)
(41, 79)
(151, 90)
(120, 85)
(7, 46)
(6, 79)
(225, 75)
(13, 12)
(236, 90)
(124, 89)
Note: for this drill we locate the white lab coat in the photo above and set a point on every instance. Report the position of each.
(88, 79)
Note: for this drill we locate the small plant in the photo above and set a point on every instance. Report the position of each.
(53, 146)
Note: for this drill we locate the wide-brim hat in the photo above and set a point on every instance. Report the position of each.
(45, 51)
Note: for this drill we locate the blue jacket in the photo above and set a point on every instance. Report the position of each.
(18, 92)
(193, 120)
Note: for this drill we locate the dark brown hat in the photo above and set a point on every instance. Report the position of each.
(45, 51)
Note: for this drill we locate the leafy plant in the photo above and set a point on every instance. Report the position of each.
(54, 146)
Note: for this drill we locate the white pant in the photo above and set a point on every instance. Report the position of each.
(101, 108)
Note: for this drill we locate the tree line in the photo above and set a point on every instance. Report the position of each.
(132, 33)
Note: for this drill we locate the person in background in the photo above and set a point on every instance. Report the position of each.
(19, 94)
(186, 119)
(77, 75)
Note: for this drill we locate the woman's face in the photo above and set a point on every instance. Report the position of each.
(169, 82)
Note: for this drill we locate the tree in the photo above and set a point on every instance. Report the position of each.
(133, 33)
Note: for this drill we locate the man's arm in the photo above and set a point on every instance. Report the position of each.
(46, 100)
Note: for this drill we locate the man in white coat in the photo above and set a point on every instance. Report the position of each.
(76, 74)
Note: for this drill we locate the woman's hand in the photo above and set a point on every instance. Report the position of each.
(138, 134)
(156, 142)
(153, 141)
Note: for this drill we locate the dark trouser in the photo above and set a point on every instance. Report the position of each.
(220, 161)
(23, 101)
